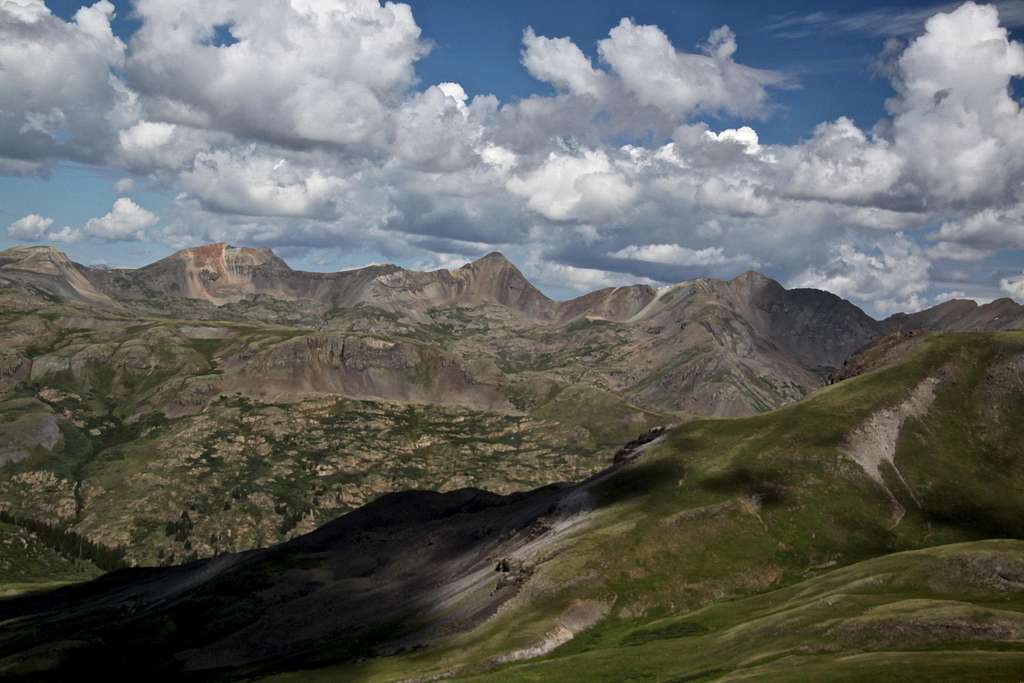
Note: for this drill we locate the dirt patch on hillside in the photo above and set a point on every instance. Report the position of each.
(579, 616)
(987, 572)
(872, 445)
(960, 625)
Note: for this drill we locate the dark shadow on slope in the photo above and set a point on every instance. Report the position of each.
(637, 481)
(951, 507)
(769, 487)
(360, 586)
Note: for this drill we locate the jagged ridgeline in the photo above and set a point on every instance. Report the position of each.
(869, 532)
(218, 400)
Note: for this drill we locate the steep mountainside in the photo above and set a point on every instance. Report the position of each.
(740, 346)
(840, 538)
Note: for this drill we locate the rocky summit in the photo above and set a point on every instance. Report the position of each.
(248, 449)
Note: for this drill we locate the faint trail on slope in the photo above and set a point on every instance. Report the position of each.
(874, 441)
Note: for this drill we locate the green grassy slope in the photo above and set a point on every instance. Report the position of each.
(721, 510)
(942, 613)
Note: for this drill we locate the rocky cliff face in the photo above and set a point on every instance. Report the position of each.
(359, 366)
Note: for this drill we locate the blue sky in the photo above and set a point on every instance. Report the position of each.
(817, 62)
(480, 50)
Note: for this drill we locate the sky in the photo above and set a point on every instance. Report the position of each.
(873, 150)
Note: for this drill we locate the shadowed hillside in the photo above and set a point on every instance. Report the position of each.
(639, 568)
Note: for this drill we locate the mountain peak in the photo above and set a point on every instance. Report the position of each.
(219, 272)
(493, 278)
(52, 268)
(495, 262)
(41, 258)
(753, 279)
(222, 253)
(958, 303)
(493, 257)
(33, 249)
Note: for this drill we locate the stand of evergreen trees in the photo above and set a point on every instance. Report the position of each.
(68, 543)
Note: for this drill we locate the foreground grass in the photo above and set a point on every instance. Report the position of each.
(873, 619)
(940, 614)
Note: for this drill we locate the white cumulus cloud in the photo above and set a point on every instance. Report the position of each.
(30, 227)
(891, 275)
(125, 221)
(299, 71)
(1013, 287)
(955, 121)
(574, 186)
(56, 86)
(560, 62)
(36, 228)
(680, 83)
(674, 254)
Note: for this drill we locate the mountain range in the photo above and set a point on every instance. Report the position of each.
(748, 344)
(253, 449)
(133, 399)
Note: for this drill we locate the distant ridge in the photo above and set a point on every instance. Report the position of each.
(221, 273)
(483, 333)
(962, 315)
